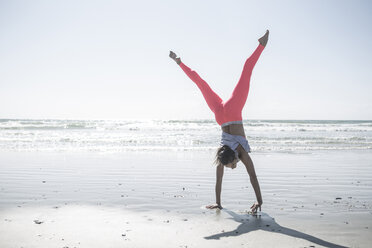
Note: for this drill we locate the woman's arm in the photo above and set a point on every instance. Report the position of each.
(219, 175)
(247, 161)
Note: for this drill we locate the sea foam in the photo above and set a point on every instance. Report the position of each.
(121, 135)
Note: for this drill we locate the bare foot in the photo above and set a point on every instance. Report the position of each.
(263, 40)
(174, 57)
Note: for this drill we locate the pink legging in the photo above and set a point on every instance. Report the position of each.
(231, 110)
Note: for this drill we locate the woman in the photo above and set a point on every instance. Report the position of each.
(234, 145)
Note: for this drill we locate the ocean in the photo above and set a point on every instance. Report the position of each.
(141, 135)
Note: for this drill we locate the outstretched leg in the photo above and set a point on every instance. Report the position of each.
(239, 96)
(213, 100)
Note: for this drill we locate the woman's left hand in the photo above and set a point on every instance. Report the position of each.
(214, 206)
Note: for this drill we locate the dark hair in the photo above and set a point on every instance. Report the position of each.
(224, 155)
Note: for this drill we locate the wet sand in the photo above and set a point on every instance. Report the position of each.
(156, 199)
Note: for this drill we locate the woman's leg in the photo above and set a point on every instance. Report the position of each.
(239, 96)
(213, 100)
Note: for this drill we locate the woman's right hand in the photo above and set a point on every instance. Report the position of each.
(255, 207)
(213, 206)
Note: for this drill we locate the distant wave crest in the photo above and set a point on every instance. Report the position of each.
(121, 135)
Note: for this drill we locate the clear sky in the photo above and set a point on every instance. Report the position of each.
(109, 59)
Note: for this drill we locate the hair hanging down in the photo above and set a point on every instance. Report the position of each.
(224, 155)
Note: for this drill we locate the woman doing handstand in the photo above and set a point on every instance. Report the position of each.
(228, 114)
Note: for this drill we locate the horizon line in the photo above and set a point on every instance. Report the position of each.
(172, 119)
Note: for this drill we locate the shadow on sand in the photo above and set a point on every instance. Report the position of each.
(264, 222)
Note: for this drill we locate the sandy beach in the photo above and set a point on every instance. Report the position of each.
(157, 199)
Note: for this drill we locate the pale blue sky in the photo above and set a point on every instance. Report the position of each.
(109, 59)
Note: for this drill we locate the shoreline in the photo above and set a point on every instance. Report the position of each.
(313, 198)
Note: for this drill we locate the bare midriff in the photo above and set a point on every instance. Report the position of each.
(234, 129)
